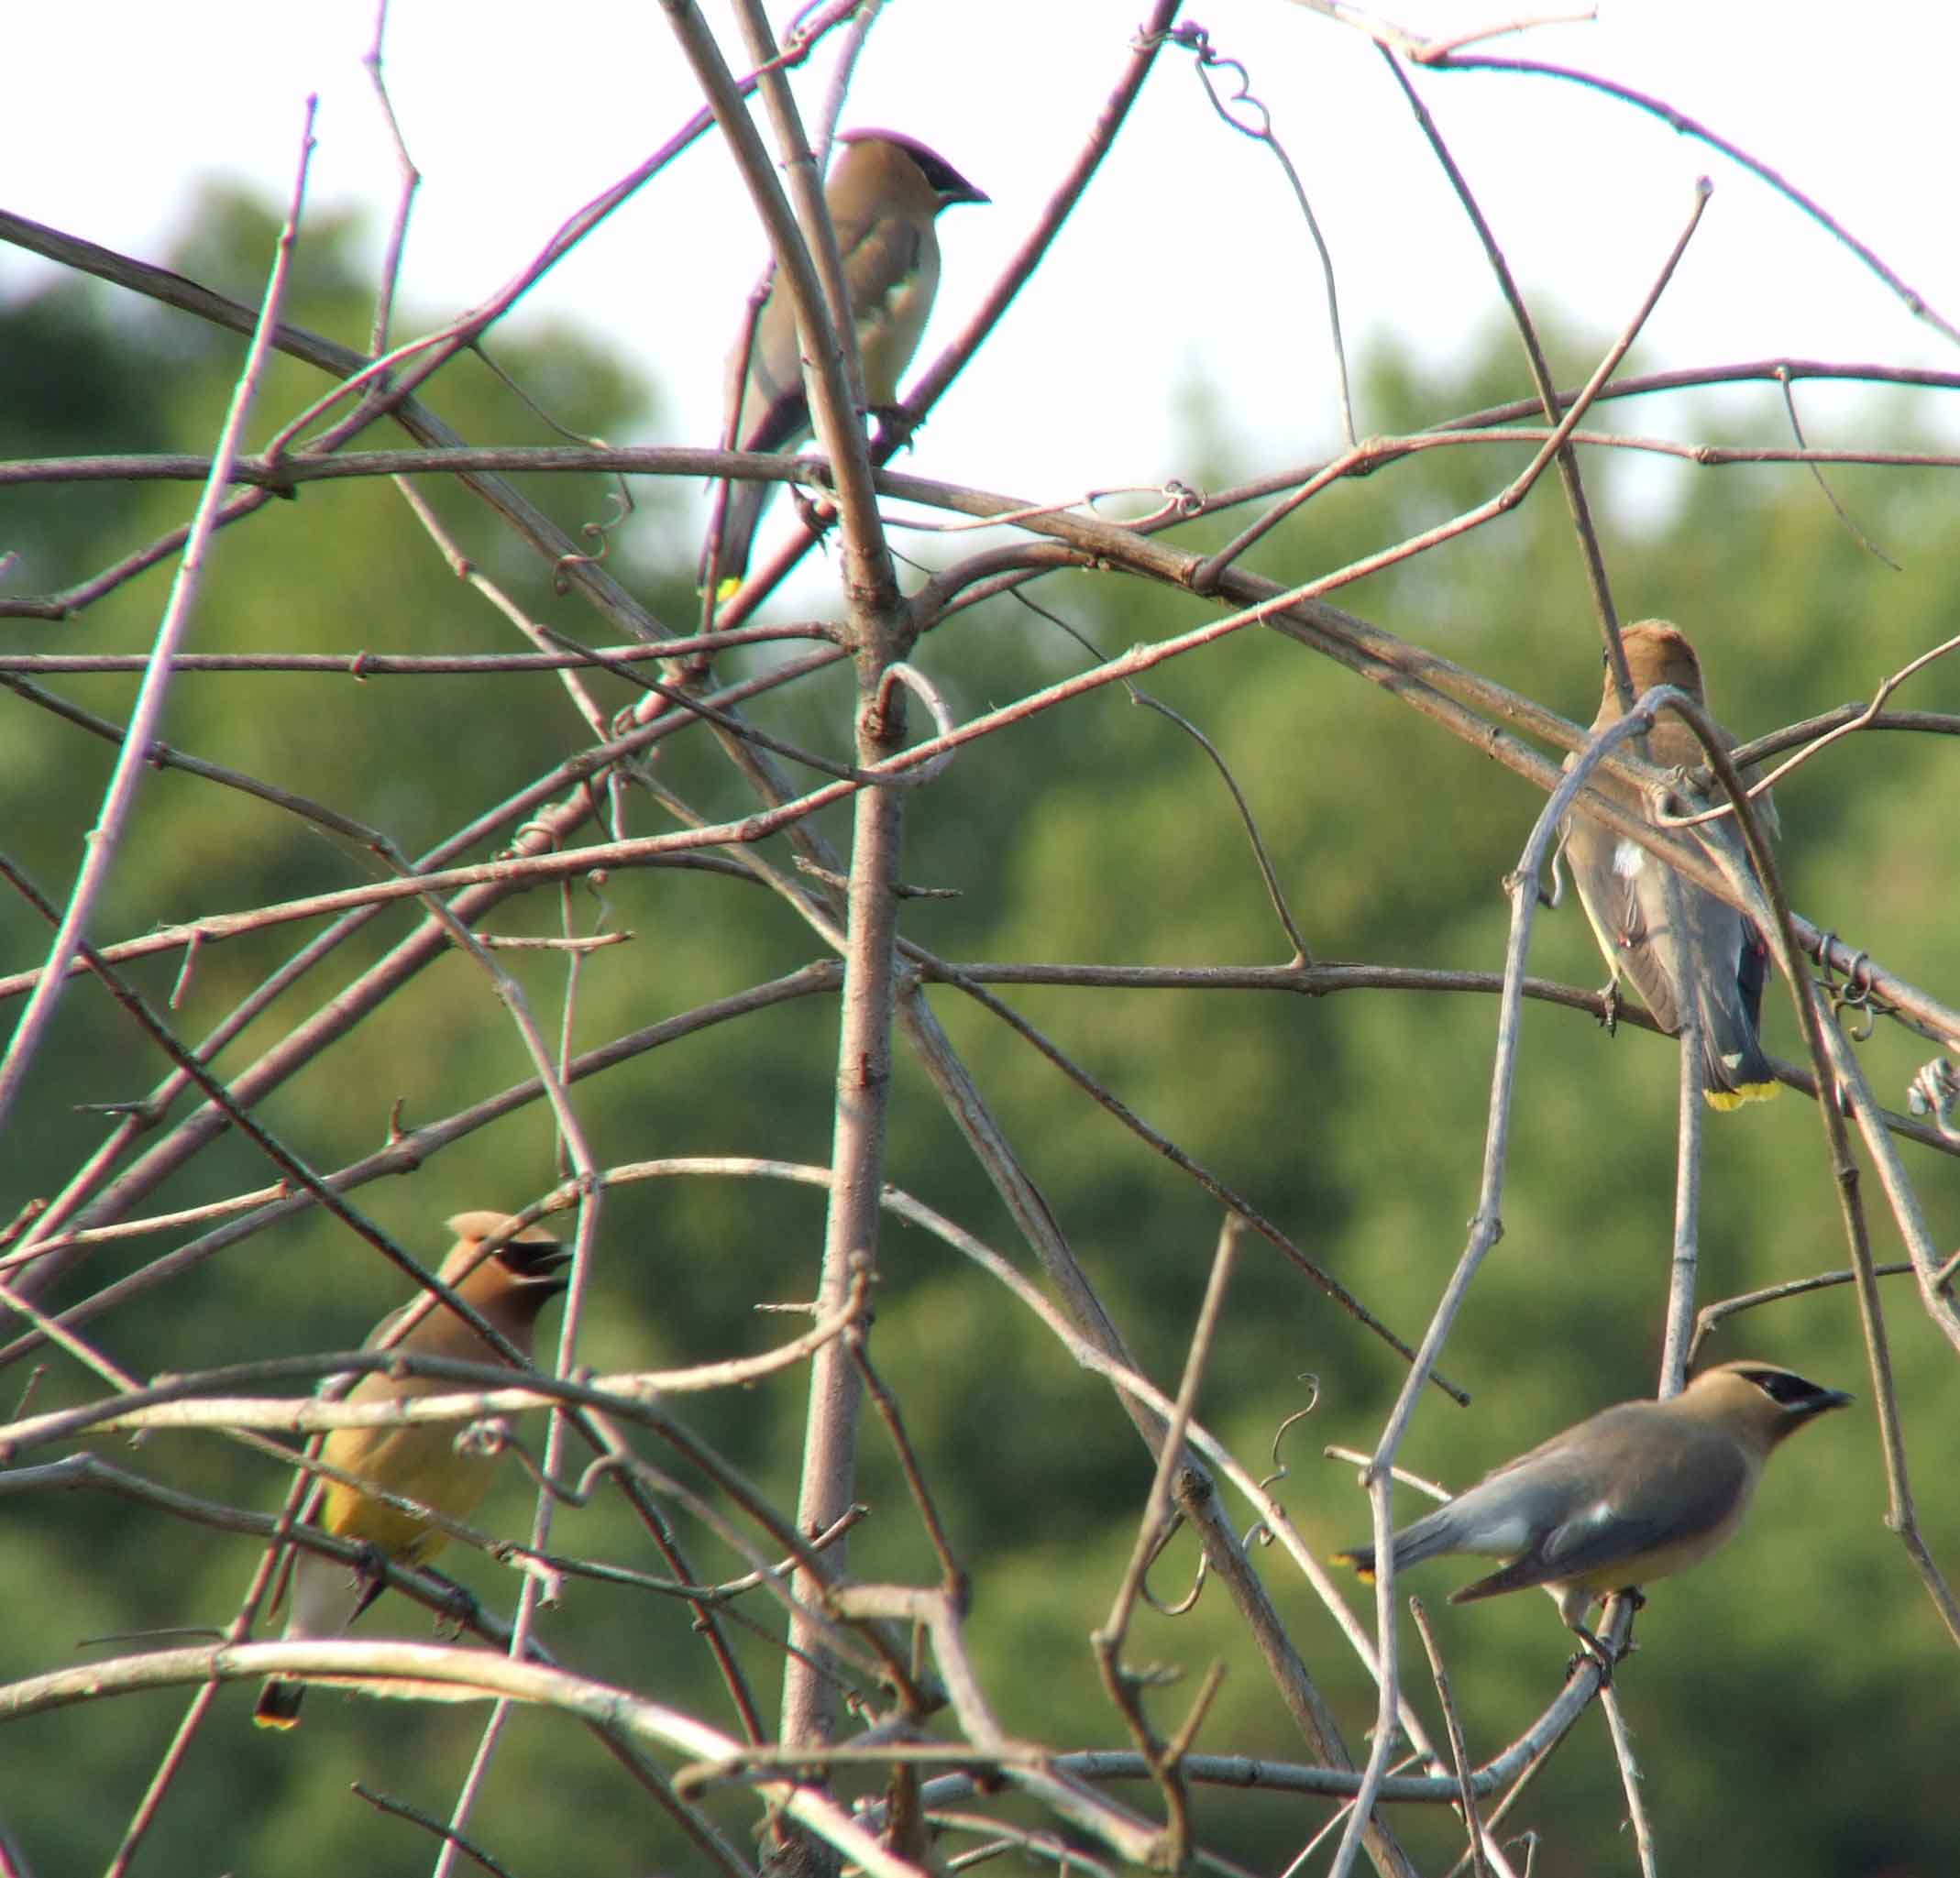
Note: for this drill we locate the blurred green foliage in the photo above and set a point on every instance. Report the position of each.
(1781, 1695)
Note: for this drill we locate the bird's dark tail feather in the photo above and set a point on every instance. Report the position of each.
(278, 1703)
(1739, 1075)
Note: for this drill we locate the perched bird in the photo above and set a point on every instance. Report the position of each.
(419, 1462)
(1628, 1496)
(1718, 958)
(883, 193)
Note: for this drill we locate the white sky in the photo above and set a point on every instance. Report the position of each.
(1186, 265)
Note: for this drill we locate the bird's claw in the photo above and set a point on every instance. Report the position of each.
(461, 1608)
(898, 421)
(816, 514)
(1601, 1662)
(1610, 1007)
(1594, 1650)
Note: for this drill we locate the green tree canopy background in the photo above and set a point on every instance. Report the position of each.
(1786, 1700)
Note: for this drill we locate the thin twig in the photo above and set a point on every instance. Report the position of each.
(452, 1840)
(1830, 495)
(1837, 1070)
(1453, 1723)
(1197, 1497)
(119, 796)
(954, 1578)
(1684, 1267)
(1486, 1228)
(1169, 1149)
(1711, 1315)
(1580, 509)
(1761, 785)
(1196, 40)
(1152, 1529)
(404, 1152)
(1685, 125)
(1622, 1750)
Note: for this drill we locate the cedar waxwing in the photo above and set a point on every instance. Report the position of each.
(1721, 955)
(883, 195)
(1630, 1495)
(419, 1462)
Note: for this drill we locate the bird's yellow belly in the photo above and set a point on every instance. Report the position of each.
(416, 1463)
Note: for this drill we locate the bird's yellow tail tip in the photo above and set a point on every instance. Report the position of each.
(278, 1706)
(1724, 1100)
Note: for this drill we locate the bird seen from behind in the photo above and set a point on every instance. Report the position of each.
(1718, 963)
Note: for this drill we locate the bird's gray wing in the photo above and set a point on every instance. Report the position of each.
(1663, 1494)
(891, 266)
(773, 407)
(1620, 885)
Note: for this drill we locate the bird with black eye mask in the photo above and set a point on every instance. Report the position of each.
(884, 195)
(420, 1462)
(1629, 1495)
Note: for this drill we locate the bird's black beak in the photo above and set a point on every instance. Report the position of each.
(536, 1263)
(1816, 1400)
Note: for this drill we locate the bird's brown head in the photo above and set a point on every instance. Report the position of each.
(530, 1266)
(1773, 1403)
(910, 162)
(1657, 654)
